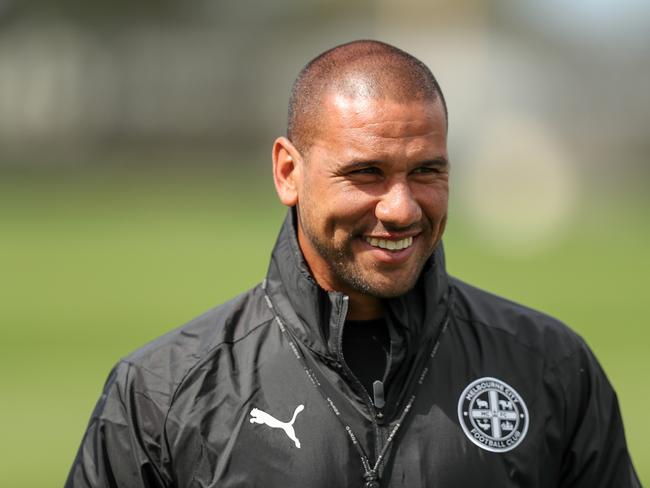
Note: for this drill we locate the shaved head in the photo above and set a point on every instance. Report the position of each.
(359, 69)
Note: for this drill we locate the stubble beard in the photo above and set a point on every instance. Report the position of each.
(347, 271)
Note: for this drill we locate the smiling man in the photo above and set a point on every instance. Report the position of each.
(359, 361)
(370, 190)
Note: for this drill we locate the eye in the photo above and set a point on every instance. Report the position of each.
(365, 174)
(425, 170)
(370, 170)
(431, 168)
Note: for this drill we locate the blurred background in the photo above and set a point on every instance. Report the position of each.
(135, 183)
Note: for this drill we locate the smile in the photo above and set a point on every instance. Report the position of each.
(391, 245)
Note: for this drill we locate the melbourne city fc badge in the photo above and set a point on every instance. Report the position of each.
(493, 415)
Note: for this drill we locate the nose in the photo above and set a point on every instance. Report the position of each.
(398, 206)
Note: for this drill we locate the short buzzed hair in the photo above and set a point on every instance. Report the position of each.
(363, 68)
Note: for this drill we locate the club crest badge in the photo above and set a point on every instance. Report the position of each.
(493, 415)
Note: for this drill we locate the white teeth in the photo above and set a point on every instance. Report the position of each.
(389, 244)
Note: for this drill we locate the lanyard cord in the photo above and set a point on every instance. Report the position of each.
(372, 473)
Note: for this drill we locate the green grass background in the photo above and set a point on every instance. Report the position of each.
(94, 263)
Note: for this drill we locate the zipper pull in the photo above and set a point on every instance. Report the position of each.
(378, 399)
(378, 393)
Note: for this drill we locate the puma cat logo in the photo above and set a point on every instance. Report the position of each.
(259, 417)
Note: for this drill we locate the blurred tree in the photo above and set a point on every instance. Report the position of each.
(97, 11)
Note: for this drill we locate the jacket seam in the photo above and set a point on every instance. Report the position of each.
(199, 358)
(553, 370)
(202, 358)
(206, 356)
(172, 398)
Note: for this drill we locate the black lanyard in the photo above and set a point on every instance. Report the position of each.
(371, 472)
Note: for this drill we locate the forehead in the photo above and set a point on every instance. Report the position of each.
(363, 124)
(345, 112)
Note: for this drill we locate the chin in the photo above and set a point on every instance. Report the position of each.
(394, 292)
(389, 289)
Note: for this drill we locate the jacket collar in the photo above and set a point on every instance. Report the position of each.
(316, 316)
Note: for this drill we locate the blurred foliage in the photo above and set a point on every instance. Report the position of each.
(222, 14)
(84, 11)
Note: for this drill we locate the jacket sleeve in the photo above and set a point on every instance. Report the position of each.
(122, 445)
(595, 454)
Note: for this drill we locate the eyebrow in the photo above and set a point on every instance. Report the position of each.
(440, 162)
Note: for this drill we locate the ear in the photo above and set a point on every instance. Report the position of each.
(287, 165)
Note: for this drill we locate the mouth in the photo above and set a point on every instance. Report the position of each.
(390, 244)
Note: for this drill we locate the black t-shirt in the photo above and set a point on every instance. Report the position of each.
(366, 347)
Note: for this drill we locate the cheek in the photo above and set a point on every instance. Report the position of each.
(434, 202)
(348, 212)
(346, 201)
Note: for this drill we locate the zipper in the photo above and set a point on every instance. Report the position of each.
(379, 403)
(376, 412)
(372, 472)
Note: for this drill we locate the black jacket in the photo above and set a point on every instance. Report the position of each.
(496, 395)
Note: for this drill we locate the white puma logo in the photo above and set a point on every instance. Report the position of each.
(259, 417)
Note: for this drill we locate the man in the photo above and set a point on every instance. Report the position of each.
(358, 361)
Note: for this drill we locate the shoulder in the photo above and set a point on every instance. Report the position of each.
(536, 331)
(534, 348)
(163, 364)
